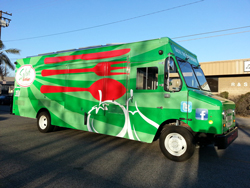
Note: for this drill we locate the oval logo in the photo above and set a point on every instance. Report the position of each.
(25, 75)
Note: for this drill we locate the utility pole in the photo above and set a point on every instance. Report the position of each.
(4, 22)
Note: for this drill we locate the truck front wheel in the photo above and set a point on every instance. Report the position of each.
(44, 122)
(177, 143)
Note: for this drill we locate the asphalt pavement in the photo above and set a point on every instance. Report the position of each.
(72, 158)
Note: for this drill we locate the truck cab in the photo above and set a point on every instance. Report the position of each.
(202, 117)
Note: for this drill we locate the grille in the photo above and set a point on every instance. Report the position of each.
(229, 117)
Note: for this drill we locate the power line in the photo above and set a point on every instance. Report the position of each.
(110, 23)
(192, 39)
(101, 25)
(211, 32)
(214, 36)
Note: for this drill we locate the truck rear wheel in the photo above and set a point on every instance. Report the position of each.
(44, 122)
(177, 143)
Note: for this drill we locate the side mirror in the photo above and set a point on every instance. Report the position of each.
(171, 65)
(131, 94)
(168, 67)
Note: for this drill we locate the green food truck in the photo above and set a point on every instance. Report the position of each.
(143, 91)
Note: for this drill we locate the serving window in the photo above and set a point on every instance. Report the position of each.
(147, 78)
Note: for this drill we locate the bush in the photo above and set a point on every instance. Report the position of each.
(242, 103)
(224, 94)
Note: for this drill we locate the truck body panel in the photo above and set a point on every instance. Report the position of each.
(119, 90)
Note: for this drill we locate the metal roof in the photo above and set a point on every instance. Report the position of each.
(227, 67)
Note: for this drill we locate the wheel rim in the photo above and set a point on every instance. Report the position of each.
(175, 144)
(43, 122)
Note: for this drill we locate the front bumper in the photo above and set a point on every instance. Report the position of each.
(223, 141)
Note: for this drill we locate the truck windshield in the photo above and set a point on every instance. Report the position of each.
(201, 78)
(193, 76)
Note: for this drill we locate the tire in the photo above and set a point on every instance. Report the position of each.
(44, 122)
(177, 143)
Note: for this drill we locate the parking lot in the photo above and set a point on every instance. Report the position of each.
(72, 158)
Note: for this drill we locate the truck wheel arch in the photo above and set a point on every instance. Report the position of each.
(44, 121)
(168, 123)
(42, 110)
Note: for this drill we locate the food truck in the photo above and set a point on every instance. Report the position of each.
(143, 91)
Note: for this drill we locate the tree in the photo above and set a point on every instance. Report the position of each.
(5, 60)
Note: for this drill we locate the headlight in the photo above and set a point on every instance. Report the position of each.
(224, 115)
(234, 112)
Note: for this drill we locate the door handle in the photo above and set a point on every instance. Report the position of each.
(167, 95)
(160, 107)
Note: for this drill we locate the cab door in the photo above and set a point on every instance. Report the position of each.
(176, 94)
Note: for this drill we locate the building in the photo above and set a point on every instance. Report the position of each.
(7, 85)
(232, 76)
